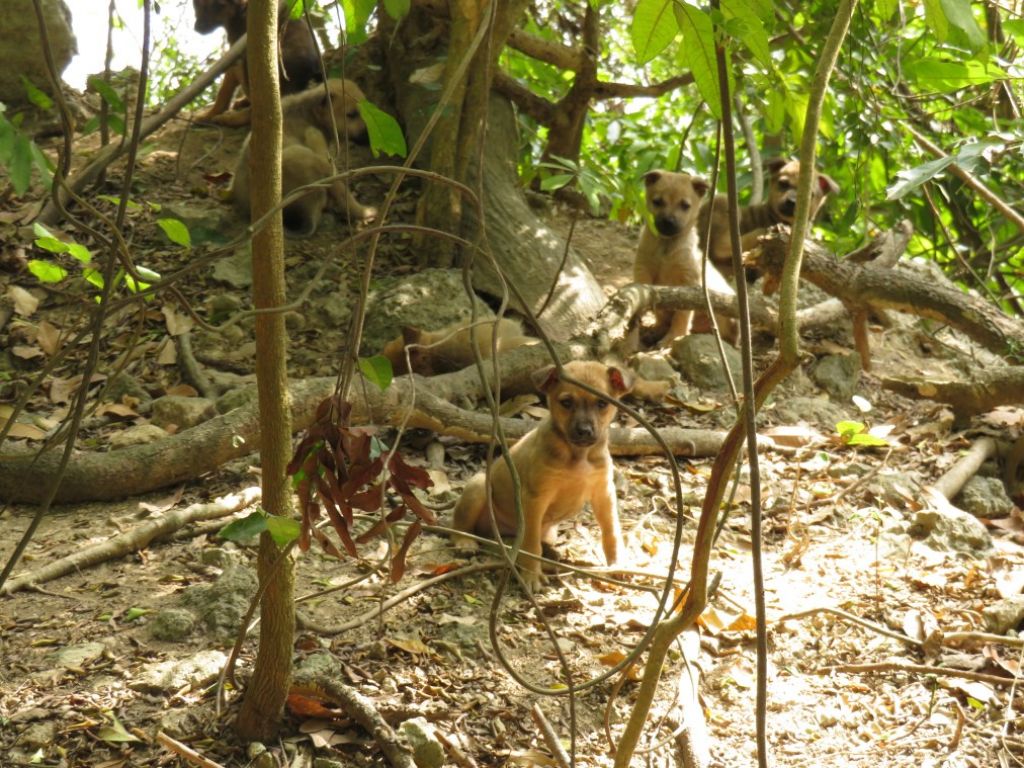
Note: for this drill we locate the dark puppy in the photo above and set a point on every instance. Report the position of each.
(755, 219)
(562, 464)
(299, 62)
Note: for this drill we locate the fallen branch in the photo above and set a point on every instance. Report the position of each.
(133, 540)
(966, 467)
(983, 392)
(918, 669)
(184, 751)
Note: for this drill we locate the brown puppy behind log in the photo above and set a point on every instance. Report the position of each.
(562, 464)
(308, 146)
(299, 64)
(670, 253)
(451, 348)
(755, 219)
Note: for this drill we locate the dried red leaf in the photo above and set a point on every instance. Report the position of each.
(369, 500)
(398, 561)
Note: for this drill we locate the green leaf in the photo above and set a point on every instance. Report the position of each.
(295, 9)
(936, 19)
(80, 252)
(385, 132)
(357, 14)
(912, 178)
(775, 111)
(107, 93)
(886, 9)
(1015, 27)
(247, 528)
(36, 96)
(45, 272)
(377, 369)
(51, 244)
(949, 76)
(42, 162)
(116, 733)
(747, 26)
(654, 27)
(283, 530)
(958, 14)
(867, 440)
(848, 429)
(147, 273)
(698, 53)
(397, 9)
(94, 277)
(555, 181)
(176, 232)
(134, 614)
(20, 168)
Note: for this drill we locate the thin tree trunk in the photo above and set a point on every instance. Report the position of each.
(263, 705)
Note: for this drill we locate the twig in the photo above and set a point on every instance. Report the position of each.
(458, 757)
(918, 669)
(966, 467)
(133, 540)
(185, 752)
(878, 629)
(550, 737)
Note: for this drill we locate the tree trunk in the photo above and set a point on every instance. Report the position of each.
(524, 249)
(263, 704)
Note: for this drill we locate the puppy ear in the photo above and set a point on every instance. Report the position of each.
(411, 334)
(776, 165)
(545, 378)
(827, 185)
(700, 186)
(621, 380)
(651, 177)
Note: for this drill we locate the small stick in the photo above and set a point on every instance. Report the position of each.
(550, 737)
(956, 477)
(185, 752)
(919, 669)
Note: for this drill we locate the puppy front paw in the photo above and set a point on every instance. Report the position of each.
(464, 544)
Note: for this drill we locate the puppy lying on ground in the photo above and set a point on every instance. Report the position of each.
(562, 464)
(755, 219)
(670, 254)
(451, 349)
(308, 146)
(299, 64)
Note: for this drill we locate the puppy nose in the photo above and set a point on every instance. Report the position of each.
(666, 226)
(582, 432)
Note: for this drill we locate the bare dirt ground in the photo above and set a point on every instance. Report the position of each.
(838, 537)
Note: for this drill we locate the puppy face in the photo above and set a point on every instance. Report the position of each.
(580, 417)
(785, 176)
(674, 200)
(395, 351)
(345, 98)
(211, 14)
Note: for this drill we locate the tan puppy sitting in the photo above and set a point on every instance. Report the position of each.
(451, 348)
(562, 464)
(308, 146)
(755, 219)
(670, 254)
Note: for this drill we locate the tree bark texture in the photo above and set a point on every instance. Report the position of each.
(263, 703)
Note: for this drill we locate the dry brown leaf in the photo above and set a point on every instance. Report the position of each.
(115, 409)
(168, 354)
(410, 645)
(61, 390)
(793, 436)
(27, 431)
(25, 304)
(183, 390)
(48, 338)
(176, 322)
(742, 623)
(26, 352)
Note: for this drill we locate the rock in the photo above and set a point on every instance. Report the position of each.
(20, 46)
(222, 557)
(985, 497)
(431, 299)
(182, 412)
(174, 674)
(140, 434)
(206, 223)
(946, 527)
(838, 375)
(699, 361)
(808, 410)
(123, 386)
(320, 664)
(427, 751)
(37, 736)
(172, 625)
(221, 306)
(1004, 615)
(77, 656)
(236, 398)
(236, 269)
(220, 606)
(894, 488)
(654, 367)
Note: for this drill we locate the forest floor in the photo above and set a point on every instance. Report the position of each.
(78, 655)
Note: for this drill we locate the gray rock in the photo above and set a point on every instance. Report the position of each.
(222, 557)
(236, 269)
(1004, 615)
(77, 656)
(20, 46)
(122, 385)
(431, 299)
(320, 664)
(700, 362)
(182, 412)
(221, 306)
(172, 625)
(427, 751)
(172, 675)
(948, 528)
(220, 606)
(139, 434)
(838, 375)
(236, 398)
(206, 222)
(985, 497)
(894, 488)
(37, 735)
(808, 410)
(653, 367)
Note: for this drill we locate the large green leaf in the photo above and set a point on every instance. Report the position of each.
(377, 369)
(948, 76)
(654, 27)
(176, 232)
(745, 24)
(698, 53)
(385, 133)
(958, 14)
(357, 14)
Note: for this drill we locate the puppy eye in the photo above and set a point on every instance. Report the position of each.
(565, 402)
(783, 184)
(352, 114)
(684, 205)
(658, 202)
(602, 404)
